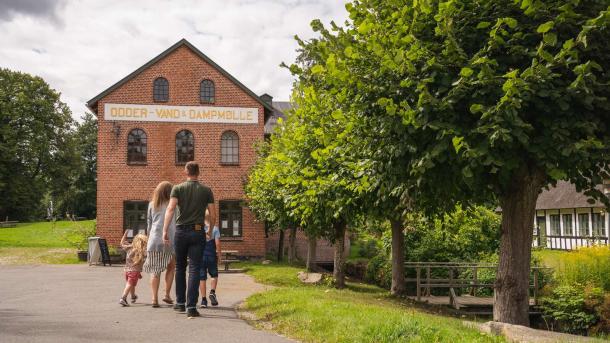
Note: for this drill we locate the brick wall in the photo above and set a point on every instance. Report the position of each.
(118, 181)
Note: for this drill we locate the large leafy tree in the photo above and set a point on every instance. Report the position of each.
(507, 95)
(35, 143)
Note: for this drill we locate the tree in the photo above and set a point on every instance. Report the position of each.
(77, 193)
(35, 143)
(508, 95)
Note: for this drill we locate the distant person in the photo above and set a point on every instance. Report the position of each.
(209, 264)
(191, 199)
(136, 253)
(159, 256)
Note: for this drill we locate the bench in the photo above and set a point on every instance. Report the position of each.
(228, 257)
(7, 223)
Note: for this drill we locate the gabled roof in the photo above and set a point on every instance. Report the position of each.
(279, 107)
(92, 104)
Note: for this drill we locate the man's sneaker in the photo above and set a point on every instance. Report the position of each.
(179, 308)
(134, 298)
(123, 302)
(213, 299)
(191, 312)
(204, 302)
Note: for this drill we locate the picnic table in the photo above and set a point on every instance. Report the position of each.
(228, 257)
(7, 223)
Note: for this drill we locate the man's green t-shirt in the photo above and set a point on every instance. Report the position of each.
(193, 199)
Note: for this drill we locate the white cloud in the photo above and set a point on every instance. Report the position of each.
(82, 47)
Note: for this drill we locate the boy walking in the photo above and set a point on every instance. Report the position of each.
(211, 256)
(191, 199)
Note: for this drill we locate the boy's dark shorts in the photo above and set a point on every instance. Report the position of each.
(210, 266)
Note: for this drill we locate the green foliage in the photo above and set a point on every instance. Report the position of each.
(78, 196)
(379, 271)
(464, 235)
(36, 145)
(586, 266)
(566, 309)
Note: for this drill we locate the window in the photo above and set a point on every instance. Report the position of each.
(568, 226)
(136, 147)
(583, 224)
(229, 148)
(555, 228)
(185, 147)
(134, 216)
(541, 225)
(161, 89)
(598, 224)
(207, 92)
(230, 218)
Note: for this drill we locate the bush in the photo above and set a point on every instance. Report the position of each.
(586, 266)
(566, 310)
(379, 271)
(78, 234)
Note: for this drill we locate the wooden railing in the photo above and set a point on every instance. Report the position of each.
(558, 242)
(455, 278)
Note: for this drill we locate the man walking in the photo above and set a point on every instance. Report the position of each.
(191, 199)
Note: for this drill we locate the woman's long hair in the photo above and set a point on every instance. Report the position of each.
(161, 194)
(138, 248)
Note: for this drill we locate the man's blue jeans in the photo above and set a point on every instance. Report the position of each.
(188, 243)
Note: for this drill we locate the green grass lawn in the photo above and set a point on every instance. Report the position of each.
(39, 242)
(360, 313)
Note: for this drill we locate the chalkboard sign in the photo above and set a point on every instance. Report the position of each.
(104, 249)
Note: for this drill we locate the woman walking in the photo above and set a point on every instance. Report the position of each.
(160, 257)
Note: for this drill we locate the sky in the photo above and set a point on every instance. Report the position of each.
(82, 47)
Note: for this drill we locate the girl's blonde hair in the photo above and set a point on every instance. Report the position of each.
(161, 194)
(138, 248)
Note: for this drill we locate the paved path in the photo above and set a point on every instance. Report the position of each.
(78, 303)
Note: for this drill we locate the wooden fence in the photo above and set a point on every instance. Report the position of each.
(456, 279)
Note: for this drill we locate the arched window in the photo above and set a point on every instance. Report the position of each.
(229, 148)
(136, 147)
(185, 147)
(207, 92)
(161, 89)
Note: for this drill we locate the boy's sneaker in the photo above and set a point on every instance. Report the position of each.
(179, 308)
(134, 298)
(213, 299)
(123, 302)
(204, 302)
(191, 312)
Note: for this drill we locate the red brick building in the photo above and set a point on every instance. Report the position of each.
(180, 106)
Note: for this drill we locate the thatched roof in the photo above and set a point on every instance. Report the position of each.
(564, 195)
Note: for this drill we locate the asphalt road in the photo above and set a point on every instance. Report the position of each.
(78, 303)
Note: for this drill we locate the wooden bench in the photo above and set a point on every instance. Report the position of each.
(228, 257)
(7, 223)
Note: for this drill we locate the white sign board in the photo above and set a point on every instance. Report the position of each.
(183, 114)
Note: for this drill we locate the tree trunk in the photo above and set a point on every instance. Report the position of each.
(339, 262)
(311, 253)
(280, 249)
(398, 258)
(292, 245)
(511, 296)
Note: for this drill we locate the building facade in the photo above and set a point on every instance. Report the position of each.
(180, 106)
(566, 219)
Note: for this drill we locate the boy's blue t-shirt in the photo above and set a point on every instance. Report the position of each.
(210, 242)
